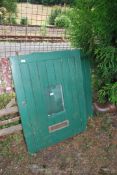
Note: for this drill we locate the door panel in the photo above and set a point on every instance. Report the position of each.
(50, 96)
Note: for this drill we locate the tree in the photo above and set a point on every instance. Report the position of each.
(94, 28)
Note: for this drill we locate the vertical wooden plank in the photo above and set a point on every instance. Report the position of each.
(82, 101)
(68, 90)
(59, 79)
(59, 76)
(75, 85)
(51, 82)
(87, 84)
(27, 127)
(42, 71)
(63, 115)
(41, 115)
(30, 103)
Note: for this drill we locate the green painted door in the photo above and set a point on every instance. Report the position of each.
(50, 96)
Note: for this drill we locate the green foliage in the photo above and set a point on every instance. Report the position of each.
(8, 20)
(24, 21)
(50, 2)
(54, 13)
(108, 93)
(8, 9)
(60, 17)
(6, 145)
(62, 21)
(9, 5)
(113, 93)
(81, 28)
(106, 60)
(1, 19)
(94, 28)
(91, 23)
(56, 2)
(12, 20)
(5, 99)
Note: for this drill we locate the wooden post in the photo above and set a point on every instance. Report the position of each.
(8, 111)
(10, 130)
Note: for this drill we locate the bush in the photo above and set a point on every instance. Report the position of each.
(12, 20)
(106, 60)
(24, 21)
(62, 21)
(54, 13)
(108, 93)
(3, 15)
(91, 31)
(1, 19)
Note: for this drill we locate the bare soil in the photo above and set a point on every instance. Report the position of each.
(93, 152)
(35, 13)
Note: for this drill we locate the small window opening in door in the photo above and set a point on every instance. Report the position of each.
(55, 100)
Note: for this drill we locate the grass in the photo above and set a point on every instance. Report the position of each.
(5, 99)
(93, 152)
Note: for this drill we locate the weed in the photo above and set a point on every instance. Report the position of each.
(5, 99)
(106, 124)
(24, 21)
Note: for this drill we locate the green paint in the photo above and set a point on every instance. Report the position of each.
(52, 89)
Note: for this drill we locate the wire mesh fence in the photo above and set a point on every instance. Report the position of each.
(26, 27)
(32, 28)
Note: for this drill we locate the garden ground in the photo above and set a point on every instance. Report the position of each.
(93, 152)
(36, 14)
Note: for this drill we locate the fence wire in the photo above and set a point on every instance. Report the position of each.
(31, 28)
